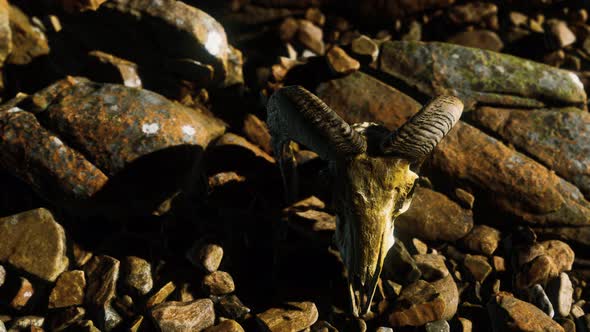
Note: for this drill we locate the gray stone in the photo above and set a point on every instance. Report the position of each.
(184, 317)
(539, 298)
(191, 33)
(34, 242)
(438, 326)
(559, 137)
(560, 292)
(438, 68)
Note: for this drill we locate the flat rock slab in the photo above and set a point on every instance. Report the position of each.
(360, 97)
(558, 138)
(439, 68)
(433, 216)
(508, 313)
(34, 242)
(184, 32)
(418, 304)
(520, 185)
(184, 316)
(82, 143)
(294, 316)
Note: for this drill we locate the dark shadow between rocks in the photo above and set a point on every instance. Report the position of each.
(147, 182)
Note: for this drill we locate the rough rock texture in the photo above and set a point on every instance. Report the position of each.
(218, 283)
(432, 216)
(447, 288)
(293, 316)
(137, 275)
(432, 266)
(520, 185)
(5, 33)
(508, 313)
(160, 295)
(418, 304)
(558, 138)
(209, 257)
(35, 242)
(68, 290)
(374, 102)
(482, 239)
(102, 131)
(28, 41)
(438, 68)
(184, 317)
(102, 273)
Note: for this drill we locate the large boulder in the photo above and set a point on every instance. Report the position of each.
(86, 145)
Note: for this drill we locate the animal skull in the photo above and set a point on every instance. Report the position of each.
(373, 171)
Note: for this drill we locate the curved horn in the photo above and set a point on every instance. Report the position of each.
(296, 114)
(416, 138)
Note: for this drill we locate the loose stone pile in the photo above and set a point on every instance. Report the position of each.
(139, 190)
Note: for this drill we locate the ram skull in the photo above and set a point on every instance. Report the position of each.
(373, 171)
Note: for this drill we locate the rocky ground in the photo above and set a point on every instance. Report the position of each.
(139, 191)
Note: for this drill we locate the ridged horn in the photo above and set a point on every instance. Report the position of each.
(296, 114)
(421, 133)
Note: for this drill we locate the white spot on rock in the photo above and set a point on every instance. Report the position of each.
(56, 141)
(455, 56)
(150, 128)
(27, 294)
(214, 42)
(500, 69)
(188, 130)
(14, 110)
(576, 80)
